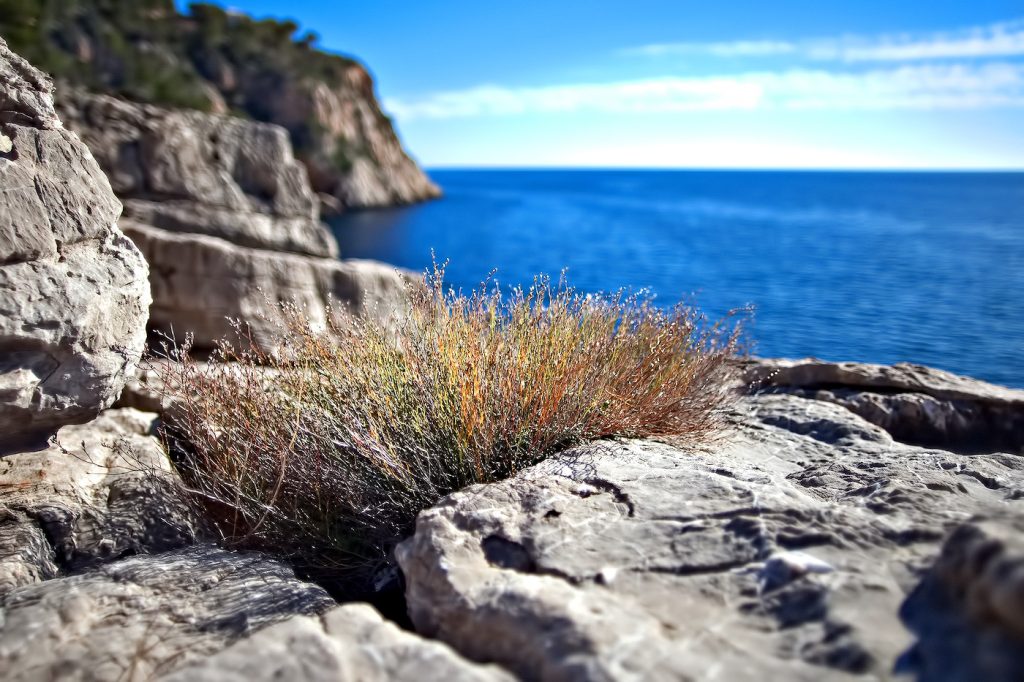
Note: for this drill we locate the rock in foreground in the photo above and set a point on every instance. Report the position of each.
(74, 294)
(347, 644)
(783, 552)
(104, 490)
(139, 617)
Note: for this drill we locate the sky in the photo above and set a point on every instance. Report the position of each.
(728, 84)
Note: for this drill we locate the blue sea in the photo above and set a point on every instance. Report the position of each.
(867, 266)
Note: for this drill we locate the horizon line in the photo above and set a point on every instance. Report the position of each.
(727, 169)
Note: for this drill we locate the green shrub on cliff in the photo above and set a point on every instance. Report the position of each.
(145, 50)
(327, 448)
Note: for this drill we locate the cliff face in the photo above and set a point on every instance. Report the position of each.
(220, 62)
(226, 219)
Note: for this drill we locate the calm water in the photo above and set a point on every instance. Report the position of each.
(877, 267)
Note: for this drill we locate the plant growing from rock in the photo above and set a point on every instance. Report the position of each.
(326, 447)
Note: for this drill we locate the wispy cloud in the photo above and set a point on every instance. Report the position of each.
(1004, 39)
(932, 86)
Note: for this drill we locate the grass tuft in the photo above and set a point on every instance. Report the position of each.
(327, 447)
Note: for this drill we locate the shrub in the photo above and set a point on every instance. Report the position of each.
(327, 447)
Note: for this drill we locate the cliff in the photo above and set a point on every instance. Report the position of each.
(217, 61)
(226, 218)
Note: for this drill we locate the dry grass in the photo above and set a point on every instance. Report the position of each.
(328, 447)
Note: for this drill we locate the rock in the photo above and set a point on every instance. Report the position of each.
(968, 611)
(185, 171)
(349, 642)
(343, 120)
(73, 290)
(221, 60)
(781, 552)
(226, 218)
(200, 283)
(146, 615)
(104, 490)
(916, 404)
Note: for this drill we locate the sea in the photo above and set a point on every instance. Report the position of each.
(886, 267)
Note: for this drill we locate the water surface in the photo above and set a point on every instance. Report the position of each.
(874, 267)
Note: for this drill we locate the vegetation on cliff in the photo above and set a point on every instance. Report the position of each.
(218, 60)
(327, 448)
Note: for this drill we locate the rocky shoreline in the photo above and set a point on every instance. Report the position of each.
(853, 522)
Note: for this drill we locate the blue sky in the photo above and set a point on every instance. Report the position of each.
(685, 84)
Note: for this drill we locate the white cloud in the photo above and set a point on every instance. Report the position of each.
(933, 86)
(738, 48)
(1004, 39)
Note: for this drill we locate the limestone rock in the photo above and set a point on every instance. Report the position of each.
(350, 643)
(104, 490)
(968, 612)
(142, 616)
(349, 123)
(916, 404)
(73, 290)
(201, 282)
(186, 171)
(781, 552)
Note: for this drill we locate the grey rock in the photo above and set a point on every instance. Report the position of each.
(103, 490)
(781, 552)
(191, 172)
(146, 615)
(348, 123)
(349, 643)
(73, 290)
(968, 611)
(916, 404)
(200, 283)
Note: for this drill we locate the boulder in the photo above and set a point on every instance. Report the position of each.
(968, 611)
(185, 171)
(783, 551)
(916, 404)
(103, 490)
(202, 283)
(227, 220)
(145, 615)
(74, 295)
(350, 643)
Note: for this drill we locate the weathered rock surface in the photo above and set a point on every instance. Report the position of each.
(141, 616)
(968, 612)
(226, 218)
(916, 404)
(185, 171)
(73, 290)
(200, 283)
(103, 491)
(347, 122)
(782, 552)
(350, 643)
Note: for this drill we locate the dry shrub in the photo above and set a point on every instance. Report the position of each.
(326, 448)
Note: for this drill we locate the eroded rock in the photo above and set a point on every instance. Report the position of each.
(73, 290)
(968, 612)
(185, 171)
(146, 615)
(350, 643)
(639, 560)
(916, 404)
(201, 283)
(104, 490)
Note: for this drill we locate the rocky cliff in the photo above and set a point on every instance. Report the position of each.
(223, 62)
(226, 218)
